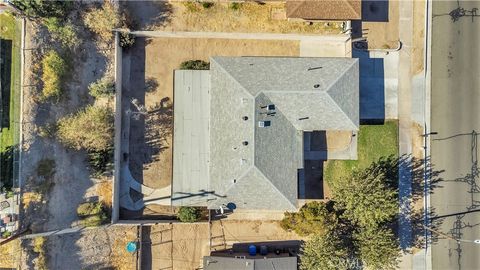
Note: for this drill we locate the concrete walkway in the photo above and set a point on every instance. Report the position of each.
(409, 89)
(151, 196)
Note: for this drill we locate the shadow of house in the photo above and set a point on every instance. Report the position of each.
(375, 10)
(372, 88)
(134, 85)
(310, 179)
(5, 81)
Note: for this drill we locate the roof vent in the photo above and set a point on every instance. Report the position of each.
(234, 181)
(264, 123)
(316, 86)
(270, 107)
(245, 118)
(245, 143)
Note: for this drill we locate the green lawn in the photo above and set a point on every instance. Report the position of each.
(374, 142)
(10, 29)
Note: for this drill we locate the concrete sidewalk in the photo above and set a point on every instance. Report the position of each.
(411, 104)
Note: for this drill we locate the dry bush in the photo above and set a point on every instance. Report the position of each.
(102, 20)
(54, 69)
(104, 190)
(89, 129)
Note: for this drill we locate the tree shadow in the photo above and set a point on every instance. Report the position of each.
(145, 15)
(413, 179)
(159, 127)
(151, 84)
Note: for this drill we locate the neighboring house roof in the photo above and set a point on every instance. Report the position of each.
(221, 263)
(324, 9)
(308, 94)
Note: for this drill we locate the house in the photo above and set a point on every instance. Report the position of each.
(244, 130)
(240, 263)
(280, 255)
(337, 10)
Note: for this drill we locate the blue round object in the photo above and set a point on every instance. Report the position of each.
(252, 250)
(132, 247)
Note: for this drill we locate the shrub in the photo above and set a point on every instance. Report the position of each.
(62, 31)
(89, 209)
(93, 213)
(90, 129)
(313, 218)
(191, 6)
(195, 65)
(9, 194)
(43, 8)
(207, 5)
(100, 161)
(48, 130)
(46, 168)
(39, 246)
(45, 172)
(188, 214)
(235, 6)
(54, 69)
(103, 20)
(102, 88)
(6, 234)
(126, 40)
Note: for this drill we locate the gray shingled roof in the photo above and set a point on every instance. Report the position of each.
(308, 94)
(222, 263)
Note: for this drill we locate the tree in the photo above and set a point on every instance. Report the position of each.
(62, 31)
(365, 199)
(195, 65)
(103, 20)
(54, 69)
(90, 129)
(188, 214)
(326, 252)
(313, 218)
(377, 248)
(43, 8)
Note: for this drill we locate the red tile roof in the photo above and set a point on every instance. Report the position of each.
(325, 9)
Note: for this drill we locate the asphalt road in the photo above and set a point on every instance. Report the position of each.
(455, 112)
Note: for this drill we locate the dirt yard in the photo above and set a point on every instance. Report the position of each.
(223, 17)
(383, 34)
(98, 248)
(182, 246)
(158, 58)
(71, 182)
(418, 36)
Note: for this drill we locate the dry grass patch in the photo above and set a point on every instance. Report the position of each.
(243, 17)
(10, 254)
(104, 191)
(120, 259)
